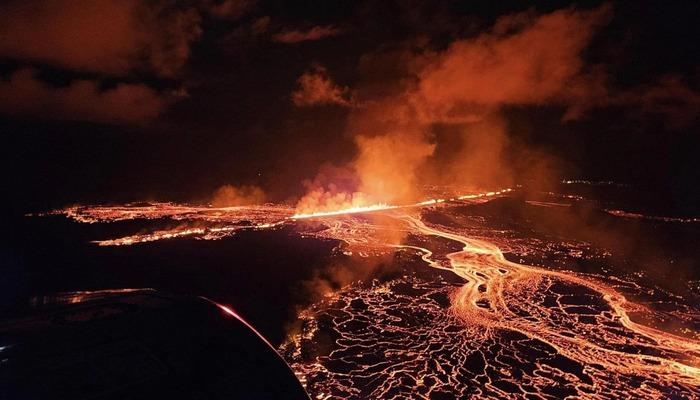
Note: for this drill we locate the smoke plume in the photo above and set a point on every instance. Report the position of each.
(231, 196)
(102, 36)
(25, 95)
(444, 118)
(315, 88)
(96, 42)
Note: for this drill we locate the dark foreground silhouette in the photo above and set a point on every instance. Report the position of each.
(137, 344)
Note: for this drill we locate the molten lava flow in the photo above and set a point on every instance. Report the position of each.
(349, 210)
(218, 222)
(507, 330)
(210, 233)
(198, 221)
(490, 275)
(475, 324)
(383, 207)
(176, 212)
(625, 214)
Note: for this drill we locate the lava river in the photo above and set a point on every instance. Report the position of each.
(460, 320)
(488, 328)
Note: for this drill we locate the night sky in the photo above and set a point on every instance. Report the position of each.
(127, 100)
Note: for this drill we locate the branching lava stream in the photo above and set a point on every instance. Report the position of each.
(474, 324)
(509, 330)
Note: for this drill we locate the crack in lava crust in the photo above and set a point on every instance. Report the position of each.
(494, 328)
(475, 324)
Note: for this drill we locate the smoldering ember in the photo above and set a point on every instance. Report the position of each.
(266, 199)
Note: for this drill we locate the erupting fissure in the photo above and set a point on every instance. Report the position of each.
(228, 220)
(480, 326)
(381, 207)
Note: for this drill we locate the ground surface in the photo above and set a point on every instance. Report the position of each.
(538, 295)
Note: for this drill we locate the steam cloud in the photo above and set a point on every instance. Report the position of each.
(444, 119)
(317, 88)
(24, 94)
(99, 38)
(103, 36)
(231, 196)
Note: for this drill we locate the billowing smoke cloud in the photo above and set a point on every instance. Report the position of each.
(97, 38)
(475, 155)
(387, 164)
(103, 36)
(455, 99)
(316, 88)
(315, 33)
(524, 60)
(24, 95)
(231, 196)
(333, 188)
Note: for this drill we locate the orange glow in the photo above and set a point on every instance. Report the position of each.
(231, 219)
(497, 295)
(350, 210)
(81, 296)
(382, 207)
(613, 338)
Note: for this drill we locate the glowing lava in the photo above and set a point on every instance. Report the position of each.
(501, 330)
(218, 222)
(384, 207)
(475, 324)
(350, 210)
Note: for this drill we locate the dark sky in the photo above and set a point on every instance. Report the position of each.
(124, 100)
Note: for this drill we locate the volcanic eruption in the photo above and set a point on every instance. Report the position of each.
(437, 243)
